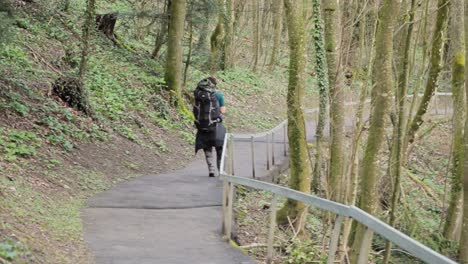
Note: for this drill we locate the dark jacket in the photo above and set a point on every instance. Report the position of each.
(208, 139)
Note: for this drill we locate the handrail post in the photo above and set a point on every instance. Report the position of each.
(436, 105)
(253, 155)
(446, 107)
(273, 148)
(284, 139)
(229, 211)
(267, 143)
(365, 246)
(334, 239)
(271, 232)
(224, 203)
(231, 154)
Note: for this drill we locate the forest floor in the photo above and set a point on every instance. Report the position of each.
(420, 215)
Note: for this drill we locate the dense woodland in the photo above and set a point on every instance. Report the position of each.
(89, 82)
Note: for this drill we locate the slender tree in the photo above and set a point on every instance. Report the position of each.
(332, 40)
(383, 83)
(228, 55)
(161, 30)
(463, 256)
(322, 80)
(455, 209)
(256, 23)
(400, 128)
(87, 28)
(206, 13)
(217, 41)
(300, 169)
(277, 29)
(434, 70)
(173, 74)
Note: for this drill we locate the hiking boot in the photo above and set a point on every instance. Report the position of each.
(211, 174)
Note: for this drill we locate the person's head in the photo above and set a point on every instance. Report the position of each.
(213, 80)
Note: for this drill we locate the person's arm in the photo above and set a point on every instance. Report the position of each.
(222, 106)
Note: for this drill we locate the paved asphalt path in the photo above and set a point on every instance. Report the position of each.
(170, 218)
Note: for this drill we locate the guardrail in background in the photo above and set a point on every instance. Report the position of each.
(372, 223)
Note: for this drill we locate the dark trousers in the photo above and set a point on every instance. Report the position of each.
(209, 158)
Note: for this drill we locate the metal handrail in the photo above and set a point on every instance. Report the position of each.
(372, 223)
(414, 247)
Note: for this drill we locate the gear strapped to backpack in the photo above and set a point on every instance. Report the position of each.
(206, 109)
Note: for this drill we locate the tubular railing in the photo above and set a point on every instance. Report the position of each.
(373, 224)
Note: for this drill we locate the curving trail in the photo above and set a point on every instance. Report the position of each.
(169, 218)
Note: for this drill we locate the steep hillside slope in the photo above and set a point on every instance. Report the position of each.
(52, 158)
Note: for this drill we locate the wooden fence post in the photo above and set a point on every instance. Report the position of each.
(253, 156)
(271, 231)
(229, 211)
(267, 143)
(334, 239)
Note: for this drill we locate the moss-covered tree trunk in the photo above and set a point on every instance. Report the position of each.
(87, 28)
(383, 84)
(257, 33)
(463, 255)
(332, 43)
(228, 55)
(173, 74)
(434, 70)
(399, 133)
(204, 28)
(277, 29)
(455, 208)
(217, 41)
(322, 80)
(300, 170)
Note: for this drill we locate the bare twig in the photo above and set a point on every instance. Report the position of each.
(38, 57)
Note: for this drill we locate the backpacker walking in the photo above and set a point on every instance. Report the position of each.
(208, 110)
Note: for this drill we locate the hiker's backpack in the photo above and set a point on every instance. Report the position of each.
(206, 107)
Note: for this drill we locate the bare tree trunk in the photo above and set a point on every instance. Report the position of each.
(173, 74)
(399, 132)
(383, 80)
(87, 28)
(332, 42)
(228, 55)
(463, 256)
(189, 55)
(257, 34)
(202, 43)
(423, 64)
(300, 170)
(455, 208)
(161, 34)
(434, 70)
(277, 28)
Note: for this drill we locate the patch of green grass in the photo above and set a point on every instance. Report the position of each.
(14, 102)
(12, 55)
(250, 82)
(17, 143)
